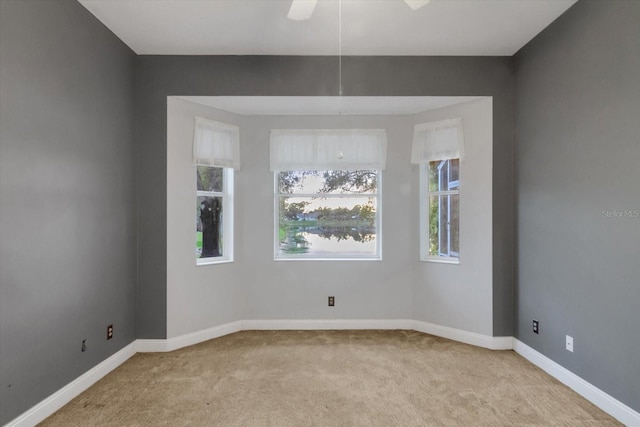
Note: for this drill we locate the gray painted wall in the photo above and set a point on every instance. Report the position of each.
(201, 296)
(460, 295)
(67, 216)
(299, 289)
(66, 108)
(162, 76)
(397, 287)
(578, 142)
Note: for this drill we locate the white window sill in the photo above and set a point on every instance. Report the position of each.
(212, 261)
(328, 259)
(441, 260)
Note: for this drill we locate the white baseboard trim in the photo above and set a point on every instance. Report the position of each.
(479, 340)
(63, 396)
(602, 400)
(151, 346)
(325, 324)
(171, 344)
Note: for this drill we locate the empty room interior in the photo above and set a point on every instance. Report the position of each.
(332, 212)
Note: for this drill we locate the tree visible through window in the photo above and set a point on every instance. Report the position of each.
(327, 214)
(213, 185)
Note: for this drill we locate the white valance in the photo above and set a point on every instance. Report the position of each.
(438, 141)
(216, 144)
(328, 149)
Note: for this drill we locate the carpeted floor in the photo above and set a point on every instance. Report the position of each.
(329, 378)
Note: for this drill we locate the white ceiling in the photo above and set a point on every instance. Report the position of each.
(369, 27)
(327, 105)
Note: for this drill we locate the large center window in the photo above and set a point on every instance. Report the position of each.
(327, 214)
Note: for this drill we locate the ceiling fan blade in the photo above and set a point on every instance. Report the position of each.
(416, 4)
(301, 9)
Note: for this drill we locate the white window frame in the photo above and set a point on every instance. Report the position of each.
(227, 218)
(425, 195)
(276, 224)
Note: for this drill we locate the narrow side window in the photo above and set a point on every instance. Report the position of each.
(214, 214)
(442, 207)
(438, 148)
(216, 155)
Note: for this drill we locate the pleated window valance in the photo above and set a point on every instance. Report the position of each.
(438, 141)
(216, 144)
(328, 149)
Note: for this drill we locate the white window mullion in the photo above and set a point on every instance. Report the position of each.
(449, 226)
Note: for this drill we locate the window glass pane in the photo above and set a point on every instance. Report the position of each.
(454, 225)
(438, 175)
(444, 175)
(444, 227)
(454, 174)
(209, 178)
(209, 227)
(317, 227)
(327, 182)
(434, 228)
(433, 174)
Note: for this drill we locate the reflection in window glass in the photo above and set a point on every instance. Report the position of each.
(209, 239)
(210, 179)
(327, 214)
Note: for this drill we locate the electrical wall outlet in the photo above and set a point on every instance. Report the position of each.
(332, 301)
(109, 332)
(569, 342)
(536, 327)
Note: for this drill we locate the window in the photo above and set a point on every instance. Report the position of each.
(327, 192)
(438, 148)
(327, 214)
(443, 210)
(214, 213)
(215, 156)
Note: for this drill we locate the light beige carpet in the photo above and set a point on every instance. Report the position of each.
(329, 378)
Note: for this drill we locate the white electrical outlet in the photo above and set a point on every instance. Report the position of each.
(570, 343)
